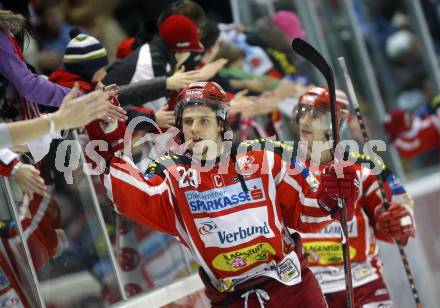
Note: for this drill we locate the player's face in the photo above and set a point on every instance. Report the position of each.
(313, 124)
(200, 123)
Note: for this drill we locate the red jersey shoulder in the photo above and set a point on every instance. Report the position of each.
(166, 162)
(280, 148)
(372, 163)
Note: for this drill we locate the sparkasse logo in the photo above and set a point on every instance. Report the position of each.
(218, 199)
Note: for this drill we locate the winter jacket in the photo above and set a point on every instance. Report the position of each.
(13, 68)
(149, 61)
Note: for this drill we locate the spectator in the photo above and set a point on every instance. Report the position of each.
(74, 112)
(84, 63)
(160, 58)
(96, 17)
(52, 34)
(150, 28)
(238, 78)
(26, 87)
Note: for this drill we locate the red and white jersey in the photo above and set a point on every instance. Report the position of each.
(40, 220)
(424, 134)
(8, 159)
(324, 248)
(233, 235)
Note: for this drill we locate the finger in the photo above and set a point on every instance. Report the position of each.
(182, 68)
(111, 87)
(35, 179)
(193, 77)
(73, 93)
(113, 92)
(241, 93)
(99, 86)
(116, 115)
(164, 107)
(40, 189)
(117, 109)
(89, 98)
(193, 73)
(35, 171)
(35, 185)
(110, 114)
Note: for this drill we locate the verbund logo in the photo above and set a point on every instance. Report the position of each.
(219, 199)
(224, 231)
(207, 227)
(243, 233)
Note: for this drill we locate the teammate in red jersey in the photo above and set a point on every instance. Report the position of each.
(371, 222)
(232, 214)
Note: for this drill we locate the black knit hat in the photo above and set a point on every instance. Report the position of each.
(84, 55)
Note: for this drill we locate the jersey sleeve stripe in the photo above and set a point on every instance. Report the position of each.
(313, 219)
(150, 190)
(305, 201)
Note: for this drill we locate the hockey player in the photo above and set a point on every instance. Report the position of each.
(232, 216)
(371, 221)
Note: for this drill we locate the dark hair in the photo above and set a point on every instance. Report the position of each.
(272, 36)
(187, 8)
(211, 34)
(20, 7)
(230, 52)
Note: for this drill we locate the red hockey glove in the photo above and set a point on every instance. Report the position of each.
(396, 122)
(111, 132)
(346, 187)
(396, 222)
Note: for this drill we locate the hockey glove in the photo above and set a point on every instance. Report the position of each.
(111, 132)
(396, 222)
(346, 186)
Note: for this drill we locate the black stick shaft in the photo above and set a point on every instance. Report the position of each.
(309, 53)
(366, 138)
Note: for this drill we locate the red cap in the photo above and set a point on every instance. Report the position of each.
(180, 34)
(124, 48)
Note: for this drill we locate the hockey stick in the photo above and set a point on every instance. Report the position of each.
(355, 104)
(309, 53)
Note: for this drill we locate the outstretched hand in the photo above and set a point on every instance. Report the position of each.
(79, 111)
(165, 117)
(29, 180)
(211, 69)
(182, 79)
(243, 104)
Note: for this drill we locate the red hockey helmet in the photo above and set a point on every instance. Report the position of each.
(316, 102)
(319, 98)
(203, 94)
